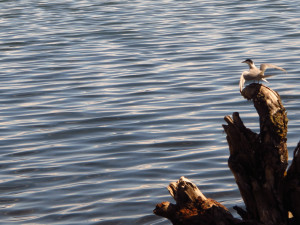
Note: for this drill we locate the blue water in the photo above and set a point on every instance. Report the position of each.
(103, 103)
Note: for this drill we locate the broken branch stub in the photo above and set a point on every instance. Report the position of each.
(192, 207)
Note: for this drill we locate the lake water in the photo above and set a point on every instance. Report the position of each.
(103, 103)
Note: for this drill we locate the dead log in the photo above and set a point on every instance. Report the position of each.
(192, 207)
(292, 186)
(258, 163)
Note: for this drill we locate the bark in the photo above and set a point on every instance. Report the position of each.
(258, 163)
(192, 207)
(292, 186)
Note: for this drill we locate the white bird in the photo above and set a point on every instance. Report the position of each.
(256, 74)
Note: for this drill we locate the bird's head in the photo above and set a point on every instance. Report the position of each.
(248, 61)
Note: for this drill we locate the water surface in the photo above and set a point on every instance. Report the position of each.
(103, 103)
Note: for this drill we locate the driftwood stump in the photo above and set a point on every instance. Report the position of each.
(192, 207)
(258, 163)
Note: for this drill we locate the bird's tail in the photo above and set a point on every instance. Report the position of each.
(264, 78)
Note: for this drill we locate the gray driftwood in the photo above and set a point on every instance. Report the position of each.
(258, 163)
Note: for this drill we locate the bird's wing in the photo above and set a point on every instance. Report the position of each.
(265, 66)
(242, 80)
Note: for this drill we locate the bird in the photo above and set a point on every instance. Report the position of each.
(256, 74)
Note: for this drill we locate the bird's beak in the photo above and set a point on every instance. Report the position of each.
(244, 61)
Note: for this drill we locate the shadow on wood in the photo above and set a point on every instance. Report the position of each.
(258, 163)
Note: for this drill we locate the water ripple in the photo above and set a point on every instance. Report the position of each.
(104, 103)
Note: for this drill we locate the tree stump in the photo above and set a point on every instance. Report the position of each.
(258, 163)
(192, 207)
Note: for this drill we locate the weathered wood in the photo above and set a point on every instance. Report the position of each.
(192, 207)
(292, 186)
(258, 163)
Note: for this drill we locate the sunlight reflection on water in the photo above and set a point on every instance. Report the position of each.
(104, 103)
